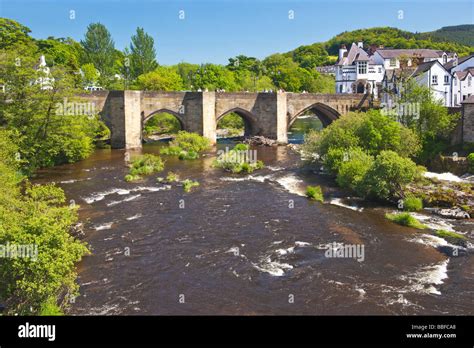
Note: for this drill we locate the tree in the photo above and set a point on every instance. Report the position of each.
(99, 49)
(90, 74)
(48, 131)
(13, 33)
(161, 79)
(143, 54)
(388, 176)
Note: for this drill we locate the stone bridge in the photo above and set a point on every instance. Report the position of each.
(267, 114)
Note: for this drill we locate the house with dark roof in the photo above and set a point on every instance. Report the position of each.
(356, 72)
(394, 58)
(462, 85)
(433, 75)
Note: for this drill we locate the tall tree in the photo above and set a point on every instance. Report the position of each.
(99, 49)
(143, 54)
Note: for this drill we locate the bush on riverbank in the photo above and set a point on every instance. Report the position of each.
(315, 193)
(35, 218)
(411, 203)
(238, 160)
(144, 165)
(405, 219)
(367, 153)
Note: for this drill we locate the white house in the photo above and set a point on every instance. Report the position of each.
(356, 72)
(462, 85)
(394, 58)
(433, 75)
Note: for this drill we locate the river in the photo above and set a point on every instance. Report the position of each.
(249, 244)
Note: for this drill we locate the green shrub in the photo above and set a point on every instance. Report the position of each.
(172, 177)
(452, 237)
(189, 184)
(470, 161)
(315, 193)
(50, 308)
(144, 165)
(238, 160)
(405, 219)
(130, 177)
(188, 155)
(412, 204)
(191, 142)
(388, 176)
(353, 170)
(171, 150)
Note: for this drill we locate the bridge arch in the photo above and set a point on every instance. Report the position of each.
(250, 120)
(325, 113)
(164, 110)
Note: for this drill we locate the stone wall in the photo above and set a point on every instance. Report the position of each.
(468, 120)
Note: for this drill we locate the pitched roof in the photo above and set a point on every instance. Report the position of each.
(355, 54)
(424, 67)
(418, 52)
(463, 74)
(449, 65)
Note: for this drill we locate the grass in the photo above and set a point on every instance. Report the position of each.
(412, 204)
(452, 237)
(315, 193)
(189, 184)
(238, 160)
(186, 146)
(172, 177)
(144, 165)
(405, 219)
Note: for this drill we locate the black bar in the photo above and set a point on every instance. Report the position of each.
(328, 330)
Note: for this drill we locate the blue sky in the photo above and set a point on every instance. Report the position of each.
(213, 31)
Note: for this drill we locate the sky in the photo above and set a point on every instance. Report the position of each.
(201, 31)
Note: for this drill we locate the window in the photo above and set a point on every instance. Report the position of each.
(362, 67)
(446, 79)
(445, 59)
(380, 70)
(469, 81)
(455, 81)
(455, 99)
(434, 79)
(340, 88)
(393, 62)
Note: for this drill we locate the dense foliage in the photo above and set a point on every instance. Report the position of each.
(41, 281)
(368, 153)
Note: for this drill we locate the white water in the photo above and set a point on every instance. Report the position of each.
(444, 176)
(338, 202)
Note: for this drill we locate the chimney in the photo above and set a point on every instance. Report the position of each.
(360, 44)
(342, 50)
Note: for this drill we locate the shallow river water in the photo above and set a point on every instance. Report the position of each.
(249, 244)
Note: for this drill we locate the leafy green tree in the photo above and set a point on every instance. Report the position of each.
(161, 79)
(38, 220)
(353, 168)
(13, 33)
(143, 54)
(213, 76)
(99, 49)
(91, 74)
(50, 129)
(388, 176)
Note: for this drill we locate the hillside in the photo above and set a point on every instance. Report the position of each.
(462, 34)
(446, 39)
